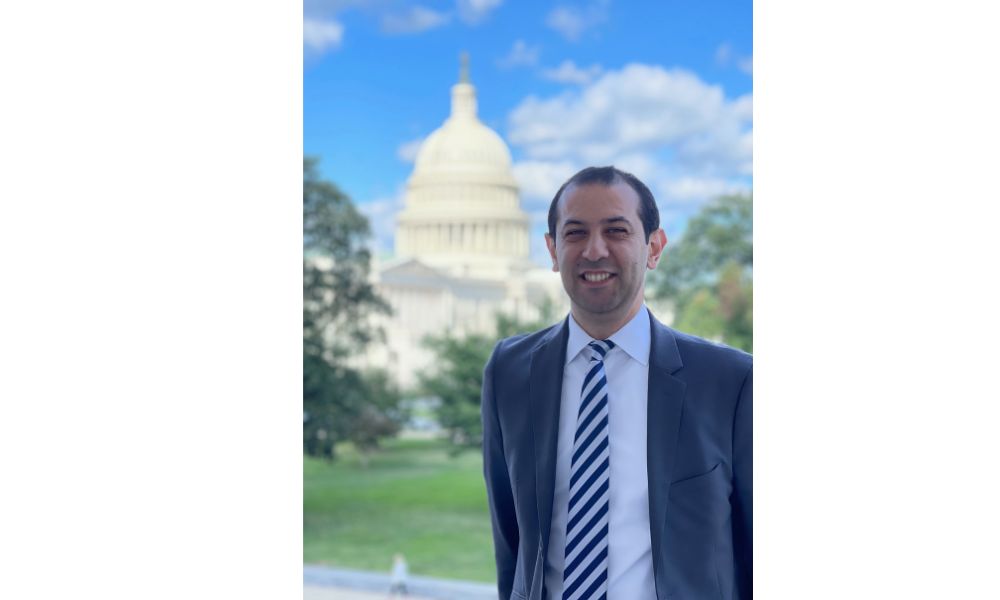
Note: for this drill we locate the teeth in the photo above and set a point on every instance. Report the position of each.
(596, 276)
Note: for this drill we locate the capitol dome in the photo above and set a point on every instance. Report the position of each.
(462, 212)
(463, 146)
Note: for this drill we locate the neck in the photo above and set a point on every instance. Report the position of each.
(600, 327)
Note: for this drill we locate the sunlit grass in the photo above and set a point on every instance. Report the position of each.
(412, 498)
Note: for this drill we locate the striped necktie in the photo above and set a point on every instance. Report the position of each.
(585, 573)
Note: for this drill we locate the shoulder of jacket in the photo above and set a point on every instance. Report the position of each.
(524, 342)
(717, 352)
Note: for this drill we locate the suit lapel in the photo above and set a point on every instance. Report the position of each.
(665, 402)
(547, 362)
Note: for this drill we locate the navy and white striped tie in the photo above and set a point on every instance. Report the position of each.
(585, 573)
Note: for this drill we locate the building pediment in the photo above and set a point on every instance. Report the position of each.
(412, 270)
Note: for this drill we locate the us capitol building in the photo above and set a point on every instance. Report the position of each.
(462, 244)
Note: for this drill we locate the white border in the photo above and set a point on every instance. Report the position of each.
(150, 239)
(876, 312)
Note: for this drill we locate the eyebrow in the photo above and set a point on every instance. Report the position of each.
(616, 219)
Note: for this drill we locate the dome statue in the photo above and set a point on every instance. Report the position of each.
(462, 212)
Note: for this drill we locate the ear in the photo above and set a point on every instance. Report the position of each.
(551, 243)
(657, 242)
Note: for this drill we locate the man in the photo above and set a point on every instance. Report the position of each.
(617, 451)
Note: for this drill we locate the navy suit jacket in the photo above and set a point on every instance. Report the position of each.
(699, 461)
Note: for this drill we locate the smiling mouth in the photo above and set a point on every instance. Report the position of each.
(596, 277)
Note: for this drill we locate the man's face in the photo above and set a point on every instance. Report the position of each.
(600, 250)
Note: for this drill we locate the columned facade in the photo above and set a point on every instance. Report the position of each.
(462, 244)
(462, 212)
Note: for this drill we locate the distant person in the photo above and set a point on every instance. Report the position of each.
(397, 579)
(617, 451)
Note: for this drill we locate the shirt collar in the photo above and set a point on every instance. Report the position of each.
(633, 338)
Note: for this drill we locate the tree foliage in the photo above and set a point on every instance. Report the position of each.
(336, 266)
(708, 274)
(339, 401)
(457, 382)
(457, 378)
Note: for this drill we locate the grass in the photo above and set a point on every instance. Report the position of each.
(413, 498)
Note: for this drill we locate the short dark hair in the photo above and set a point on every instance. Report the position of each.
(608, 176)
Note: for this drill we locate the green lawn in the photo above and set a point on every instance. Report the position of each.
(413, 498)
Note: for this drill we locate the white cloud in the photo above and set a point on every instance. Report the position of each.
(696, 189)
(568, 72)
(407, 151)
(743, 107)
(723, 54)
(320, 35)
(571, 22)
(567, 21)
(539, 180)
(382, 215)
(642, 165)
(415, 20)
(473, 12)
(680, 135)
(520, 55)
(639, 108)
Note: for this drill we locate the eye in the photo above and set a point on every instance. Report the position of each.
(618, 231)
(574, 233)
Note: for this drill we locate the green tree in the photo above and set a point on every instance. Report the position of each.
(339, 402)
(708, 274)
(379, 415)
(457, 377)
(457, 381)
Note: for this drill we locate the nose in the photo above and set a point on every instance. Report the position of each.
(596, 248)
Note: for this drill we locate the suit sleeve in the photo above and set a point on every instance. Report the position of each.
(743, 489)
(498, 488)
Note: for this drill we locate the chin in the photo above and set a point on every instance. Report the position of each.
(599, 308)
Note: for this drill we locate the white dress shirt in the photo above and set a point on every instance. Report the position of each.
(630, 562)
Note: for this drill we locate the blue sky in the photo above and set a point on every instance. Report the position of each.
(662, 89)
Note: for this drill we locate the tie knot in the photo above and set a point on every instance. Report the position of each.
(600, 348)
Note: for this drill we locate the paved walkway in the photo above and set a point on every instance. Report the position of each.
(327, 583)
(319, 592)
